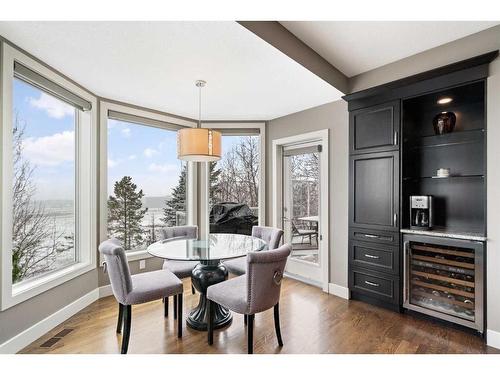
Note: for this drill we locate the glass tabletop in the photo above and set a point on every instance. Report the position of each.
(217, 246)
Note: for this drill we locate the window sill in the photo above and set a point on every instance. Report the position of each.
(138, 255)
(131, 256)
(31, 288)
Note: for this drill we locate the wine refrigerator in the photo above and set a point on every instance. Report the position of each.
(444, 278)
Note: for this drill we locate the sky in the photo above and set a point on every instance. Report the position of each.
(147, 154)
(48, 140)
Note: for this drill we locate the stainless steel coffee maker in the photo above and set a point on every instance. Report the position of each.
(421, 212)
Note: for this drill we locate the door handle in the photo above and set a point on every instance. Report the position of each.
(395, 219)
(371, 235)
(372, 284)
(372, 256)
(396, 138)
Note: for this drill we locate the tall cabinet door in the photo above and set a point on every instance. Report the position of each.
(375, 129)
(374, 192)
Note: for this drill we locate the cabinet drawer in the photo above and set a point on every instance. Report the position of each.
(369, 235)
(381, 286)
(374, 256)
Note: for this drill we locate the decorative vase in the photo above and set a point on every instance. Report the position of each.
(444, 123)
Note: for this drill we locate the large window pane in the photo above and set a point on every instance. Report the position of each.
(43, 222)
(234, 185)
(146, 183)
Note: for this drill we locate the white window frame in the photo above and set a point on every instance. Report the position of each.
(85, 191)
(204, 186)
(105, 107)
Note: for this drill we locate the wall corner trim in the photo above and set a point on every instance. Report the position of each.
(493, 338)
(338, 290)
(23, 339)
(105, 291)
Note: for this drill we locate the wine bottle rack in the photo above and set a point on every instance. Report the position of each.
(442, 278)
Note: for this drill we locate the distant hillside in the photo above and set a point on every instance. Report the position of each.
(154, 202)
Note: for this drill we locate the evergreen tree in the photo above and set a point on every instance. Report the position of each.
(125, 213)
(177, 202)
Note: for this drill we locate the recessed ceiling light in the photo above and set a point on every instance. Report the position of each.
(445, 100)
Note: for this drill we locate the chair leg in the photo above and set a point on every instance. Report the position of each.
(192, 288)
(245, 319)
(210, 322)
(179, 315)
(126, 328)
(250, 333)
(277, 324)
(165, 306)
(119, 325)
(175, 307)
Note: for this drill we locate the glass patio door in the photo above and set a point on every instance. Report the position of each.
(301, 209)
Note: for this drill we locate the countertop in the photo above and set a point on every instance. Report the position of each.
(443, 232)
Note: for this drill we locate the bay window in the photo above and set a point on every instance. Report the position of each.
(144, 186)
(48, 185)
(235, 184)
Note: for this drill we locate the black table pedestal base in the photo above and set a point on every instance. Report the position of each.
(205, 274)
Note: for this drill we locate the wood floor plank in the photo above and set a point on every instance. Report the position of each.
(311, 322)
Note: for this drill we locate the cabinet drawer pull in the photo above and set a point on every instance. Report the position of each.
(372, 256)
(372, 284)
(372, 236)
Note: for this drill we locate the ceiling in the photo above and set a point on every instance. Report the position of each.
(155, 65)
(355, 47)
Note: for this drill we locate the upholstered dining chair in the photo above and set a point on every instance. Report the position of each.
(257, 291)
(135, 289)
(272, 236)
(179, 268)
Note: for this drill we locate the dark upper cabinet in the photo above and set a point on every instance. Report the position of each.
(375, 128)
(374, 191)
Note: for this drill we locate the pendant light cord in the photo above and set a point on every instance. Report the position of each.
(199, 107)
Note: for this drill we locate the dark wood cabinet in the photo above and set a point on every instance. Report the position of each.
(374, 256)
(374, 286)
(375, 128)
(394, 153)
(374, 192)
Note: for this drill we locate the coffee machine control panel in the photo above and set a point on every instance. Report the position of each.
(420, 202)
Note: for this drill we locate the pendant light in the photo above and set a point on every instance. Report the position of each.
(199, 144)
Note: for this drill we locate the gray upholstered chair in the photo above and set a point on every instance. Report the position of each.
(135, 289)
(271, 235)
(257, 291)
(179, 268)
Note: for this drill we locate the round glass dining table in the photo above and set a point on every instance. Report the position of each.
(210, 252)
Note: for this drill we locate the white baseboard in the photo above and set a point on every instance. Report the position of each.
(37, 330)
(105, 291)
(339, 291)
(303, 279)
(493, 338)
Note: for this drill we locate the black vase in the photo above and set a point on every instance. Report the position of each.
(444, 123)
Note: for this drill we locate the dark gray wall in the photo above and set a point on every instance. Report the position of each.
(332, 116)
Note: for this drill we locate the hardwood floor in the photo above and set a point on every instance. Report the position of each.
(311, 322)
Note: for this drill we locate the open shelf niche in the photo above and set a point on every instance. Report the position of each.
(459, 199)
